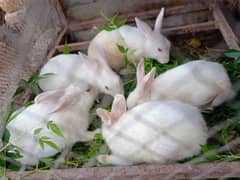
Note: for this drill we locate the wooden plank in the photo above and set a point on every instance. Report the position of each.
(75, 25)
(210, 25)
(58, 41)
(221, 22)
(149, 171)
(205, 26)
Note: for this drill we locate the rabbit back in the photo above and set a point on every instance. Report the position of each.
(197, 83)
(63, 71)
(157, 132)
(108, 40)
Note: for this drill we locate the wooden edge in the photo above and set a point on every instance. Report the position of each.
(58, 41)
(227, 33)
(210, 25)
(152, 171)
(63, 32)
(75, 25)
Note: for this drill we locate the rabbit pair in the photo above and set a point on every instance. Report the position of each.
(67, 108)
(200, 83)
(152, 132)
(141, 41)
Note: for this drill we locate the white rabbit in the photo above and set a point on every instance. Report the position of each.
(141, 41)
(153, 132)
(200, 83)
(80, 69)
(67, 108)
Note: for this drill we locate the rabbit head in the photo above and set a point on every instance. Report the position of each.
(64, 99)
(105, 79)
(118, 109)
(144, 85)
(156, 45)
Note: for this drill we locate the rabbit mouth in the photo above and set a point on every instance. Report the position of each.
(88, 89)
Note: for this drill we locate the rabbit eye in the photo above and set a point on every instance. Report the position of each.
(159, 49)
(106, 87)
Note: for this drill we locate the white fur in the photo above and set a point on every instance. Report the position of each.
(153, 132)
(141, 41)
(80, 70)
(68, 109)
(200, 83)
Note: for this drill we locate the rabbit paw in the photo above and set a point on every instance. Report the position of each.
(103, 159)
(111, 159)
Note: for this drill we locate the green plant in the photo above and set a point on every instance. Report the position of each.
(111, 23)
(124, 52)
(66, 48)
(31, 84)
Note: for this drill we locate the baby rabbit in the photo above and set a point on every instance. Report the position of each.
(141, 41)
(80, 69)
(67, 108)
(200, 83)
(153, 132)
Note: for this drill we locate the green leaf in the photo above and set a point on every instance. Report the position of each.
(15, 114)
(66, 48)
(114, 19)
(52, 144)
(46, 140)
(232, 53)
(121, 48)
(121, 23)
(6, 136)
(14, 154)
(55, 129)
(37, 131)
(41, 143)
(125, 60)
(28, 103)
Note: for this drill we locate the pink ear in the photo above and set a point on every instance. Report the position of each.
(119, 107)
(49, 96)
(64, 103)
(140, 71)
(105, 116)
(159, 20)
(148, 80)
(144, 27)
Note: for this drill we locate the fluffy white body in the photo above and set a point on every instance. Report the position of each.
(80, 70)
(153, 132)
(68, 109)
(200, 83)
(141, 41)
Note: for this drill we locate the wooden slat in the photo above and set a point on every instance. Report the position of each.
(224, 27)
(75, 25)
(58, 41)
(210, 25)
(156, 171)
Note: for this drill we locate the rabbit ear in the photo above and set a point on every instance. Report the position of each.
(147, 81)
(140, 71)
(119, 106)
(144, 27)
(64, 103)
(49, 96)
(159, 20)
(105, 116)
(92, 64)
(101, 55)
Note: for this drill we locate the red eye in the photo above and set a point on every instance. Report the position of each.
(159, 49)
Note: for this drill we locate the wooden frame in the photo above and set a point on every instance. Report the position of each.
(149, 171)
(218, 22)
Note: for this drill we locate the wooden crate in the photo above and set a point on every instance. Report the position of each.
(208, 17)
